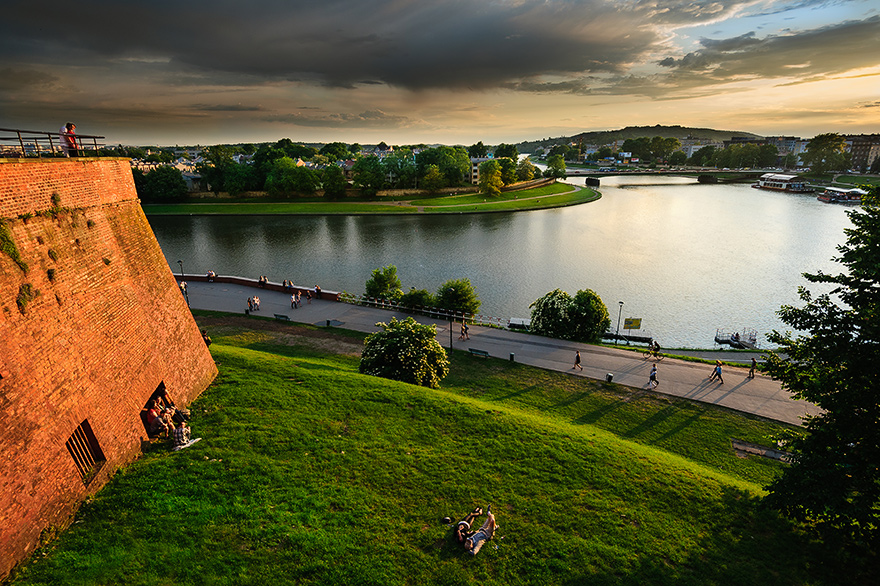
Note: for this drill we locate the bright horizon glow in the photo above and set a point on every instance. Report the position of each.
(440, 71)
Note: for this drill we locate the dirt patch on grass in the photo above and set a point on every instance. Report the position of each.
(275, 332)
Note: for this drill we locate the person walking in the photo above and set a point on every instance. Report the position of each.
(577, 361)
(752, 369)
(716, 373)
(652, 378)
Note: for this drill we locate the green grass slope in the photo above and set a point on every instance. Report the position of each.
(310, 473)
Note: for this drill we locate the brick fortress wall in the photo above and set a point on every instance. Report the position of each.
(104, 325)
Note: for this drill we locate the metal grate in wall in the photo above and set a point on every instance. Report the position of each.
(85, 451)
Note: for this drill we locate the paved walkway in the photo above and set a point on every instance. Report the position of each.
(761, 395)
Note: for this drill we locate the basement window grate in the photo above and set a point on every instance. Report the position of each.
(85, 451)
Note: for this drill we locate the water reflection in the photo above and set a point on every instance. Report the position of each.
(685, 257)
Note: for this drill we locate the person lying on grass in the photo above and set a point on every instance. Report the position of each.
(475, 540)
(463, 529)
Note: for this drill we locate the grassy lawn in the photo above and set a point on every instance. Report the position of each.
(559, 194)
(856, 180)
(309, 473)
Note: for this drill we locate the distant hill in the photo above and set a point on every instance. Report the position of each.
(608, 136)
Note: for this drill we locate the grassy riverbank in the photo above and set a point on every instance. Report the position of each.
(556, 195)
(310, 473)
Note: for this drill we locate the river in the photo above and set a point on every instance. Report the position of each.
(686, 258)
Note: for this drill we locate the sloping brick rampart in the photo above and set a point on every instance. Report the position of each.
(105, 325)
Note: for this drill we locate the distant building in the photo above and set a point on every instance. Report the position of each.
(865, 149)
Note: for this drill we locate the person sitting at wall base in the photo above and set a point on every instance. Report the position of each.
(158, 422)
(182, 437)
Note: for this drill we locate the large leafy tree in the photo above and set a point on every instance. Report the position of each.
(433, 179)
(525, 170)
(288, 179)
(508, 171)
(477, 151)
(406, 351)
(333, 181)
(368, 174)
(163, 183)
(335, 151)
(400, 168)
(458, 295)
(826, 152)
(490, 181)
(555, 166)
(557, 314)
(506, 150)
(384, 284)
(834, 479)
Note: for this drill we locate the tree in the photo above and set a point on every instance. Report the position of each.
(218, 160)
(400, 168)
(589, 316)
(458, 295)
(555, 167)
(335, 151)
(826, 152)
(453, 163)
(163, 183)
(583, 318)
(433, 179)
(368, 174)
(559, 149)
(333, 181)
(287, 179)
(506, 150)
(834, 479)
(241, 178)
(490, 181)
(525, 171)
(678, 158)
(790, 161)
(704, 156)
(508, 170)
(417, 298)
(406, 351)
(477, 151)
(384, 284)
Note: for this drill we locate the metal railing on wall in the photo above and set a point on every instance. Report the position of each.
(16, 143)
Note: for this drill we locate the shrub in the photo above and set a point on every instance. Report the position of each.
(406, 351)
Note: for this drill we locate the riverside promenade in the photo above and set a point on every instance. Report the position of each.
(760, 396)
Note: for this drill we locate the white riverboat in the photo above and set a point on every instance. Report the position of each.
(781, 182)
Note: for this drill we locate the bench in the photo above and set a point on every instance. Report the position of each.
(281, 316)
(476, 352)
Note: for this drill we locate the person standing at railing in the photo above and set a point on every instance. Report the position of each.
(68, 139)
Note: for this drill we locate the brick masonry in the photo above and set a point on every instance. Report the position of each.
(107, 325)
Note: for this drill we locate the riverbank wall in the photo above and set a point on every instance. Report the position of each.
(92, 324)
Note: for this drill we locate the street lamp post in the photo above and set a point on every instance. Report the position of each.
(619, 312)
(451, 318)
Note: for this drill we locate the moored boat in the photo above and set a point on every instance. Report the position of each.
(742, 340)
(781, 182)
(851, 195)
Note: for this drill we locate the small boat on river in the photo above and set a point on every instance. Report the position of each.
(747, 339)
(852, 195)
(780, 182)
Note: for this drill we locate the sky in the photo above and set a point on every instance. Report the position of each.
(436, 71)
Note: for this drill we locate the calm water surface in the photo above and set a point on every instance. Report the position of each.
(686, 258)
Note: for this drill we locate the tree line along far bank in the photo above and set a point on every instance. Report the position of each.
(288, 170)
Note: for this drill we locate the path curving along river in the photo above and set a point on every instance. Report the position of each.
(686, 258)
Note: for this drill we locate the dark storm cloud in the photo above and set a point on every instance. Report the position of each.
(341, 43)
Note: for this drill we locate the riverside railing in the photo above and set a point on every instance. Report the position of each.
(15, 143)
(433, 312)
